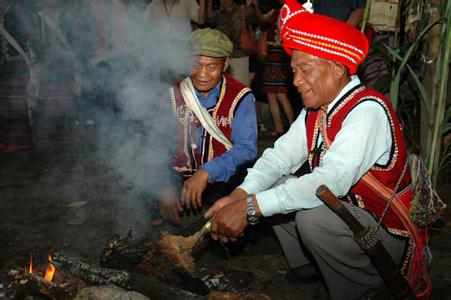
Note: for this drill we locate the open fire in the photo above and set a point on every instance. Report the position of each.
(40, 278)
(142, 267)
(49, 270)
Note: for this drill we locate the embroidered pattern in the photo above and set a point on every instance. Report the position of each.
(393, 158)
(215, 115)
(331, 42)
(285, 15)
(343, 103)
(223, 121)
(236, 100)
(314, 144)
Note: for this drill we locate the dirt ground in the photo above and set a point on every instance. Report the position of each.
(62, 199)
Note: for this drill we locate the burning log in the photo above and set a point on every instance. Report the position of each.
(30, 284)
(121, 254)
(147, 285)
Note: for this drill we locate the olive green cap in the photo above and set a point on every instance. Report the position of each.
(211, 42)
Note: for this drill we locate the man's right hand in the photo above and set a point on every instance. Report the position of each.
(236, 195)
(170, 206)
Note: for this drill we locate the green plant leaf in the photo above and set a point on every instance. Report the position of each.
(414, 45)
(423, 93)
(447, 115)
(418, 83)
(394, 89)
(445, 127)
(445, 158)
(392, 52)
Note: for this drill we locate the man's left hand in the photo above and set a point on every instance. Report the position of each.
(193, 188)
(229, 222)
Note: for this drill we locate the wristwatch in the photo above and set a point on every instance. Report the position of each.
(251, 215)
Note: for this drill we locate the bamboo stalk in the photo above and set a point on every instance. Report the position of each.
(436, 139)
(366, 16)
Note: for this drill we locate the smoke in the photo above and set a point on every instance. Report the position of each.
(128, 62)
(137, 128)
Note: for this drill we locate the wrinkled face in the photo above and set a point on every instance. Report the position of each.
(226, 3)
(207, 72)
(316, 79)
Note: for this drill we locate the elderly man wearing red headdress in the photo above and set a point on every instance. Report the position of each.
(354, 144)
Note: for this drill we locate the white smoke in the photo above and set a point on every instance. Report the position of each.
(126, 96)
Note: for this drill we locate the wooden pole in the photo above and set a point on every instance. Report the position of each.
(432, 53)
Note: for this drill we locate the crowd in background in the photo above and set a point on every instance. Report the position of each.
(95, 31)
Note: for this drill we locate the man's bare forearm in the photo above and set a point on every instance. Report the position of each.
(356, 17)
(202, 12)
(209, 9)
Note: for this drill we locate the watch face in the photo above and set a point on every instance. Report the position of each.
(251, 214)
(252, 219)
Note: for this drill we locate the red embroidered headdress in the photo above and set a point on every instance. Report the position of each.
(321, 36)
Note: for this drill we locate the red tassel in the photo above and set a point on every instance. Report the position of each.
(418, 276)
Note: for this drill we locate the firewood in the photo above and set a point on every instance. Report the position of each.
(168, 269)
(25, 284)
(152, 257)
(122, 254)
(147, 285)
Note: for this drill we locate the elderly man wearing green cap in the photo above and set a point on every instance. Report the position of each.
(218, 127)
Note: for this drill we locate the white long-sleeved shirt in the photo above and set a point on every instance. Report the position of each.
(174, 18)
(364, 139)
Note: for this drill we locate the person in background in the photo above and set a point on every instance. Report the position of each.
(208, 164)
(353, 141)
(229, 19)
(276, 73)
(349, 11)
(174, 16)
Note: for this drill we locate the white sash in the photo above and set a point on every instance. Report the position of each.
(189, 94)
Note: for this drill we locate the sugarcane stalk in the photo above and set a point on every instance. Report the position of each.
(439, 116)
(366, 16)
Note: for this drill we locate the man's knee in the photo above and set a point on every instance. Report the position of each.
(310, 222)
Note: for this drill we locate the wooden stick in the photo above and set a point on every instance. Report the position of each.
(201, 234)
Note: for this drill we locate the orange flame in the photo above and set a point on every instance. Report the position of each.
(30, 267)
(50, 270)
